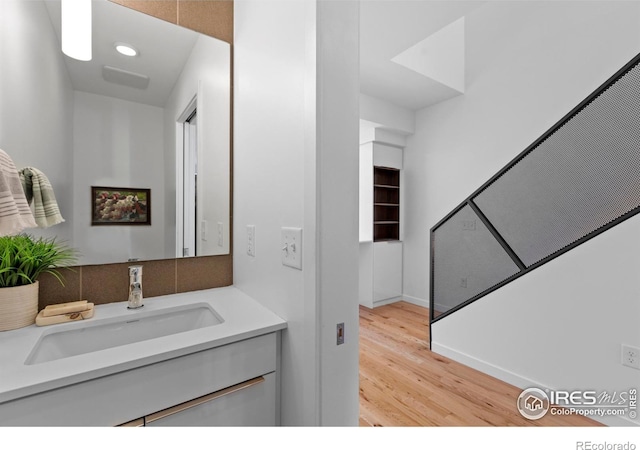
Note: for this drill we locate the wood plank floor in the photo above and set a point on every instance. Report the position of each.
(403, 383)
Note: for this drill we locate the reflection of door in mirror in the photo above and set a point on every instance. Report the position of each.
(190, 186)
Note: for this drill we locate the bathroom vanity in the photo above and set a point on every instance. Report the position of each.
(207, 357)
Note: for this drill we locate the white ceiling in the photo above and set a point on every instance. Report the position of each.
(387, 29)
(164, 48)
(391, 27)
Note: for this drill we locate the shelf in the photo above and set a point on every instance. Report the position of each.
(386, 196)
(386, 204)
(387, 177)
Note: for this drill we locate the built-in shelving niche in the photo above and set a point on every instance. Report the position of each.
(386, 204)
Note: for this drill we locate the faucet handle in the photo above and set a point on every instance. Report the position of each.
(135, 272)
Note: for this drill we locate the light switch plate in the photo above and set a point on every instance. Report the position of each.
(291, 247)
(203, 230)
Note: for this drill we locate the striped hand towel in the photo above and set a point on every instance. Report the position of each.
(38, 189)
(15, 214)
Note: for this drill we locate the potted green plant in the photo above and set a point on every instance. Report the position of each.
(22, 260)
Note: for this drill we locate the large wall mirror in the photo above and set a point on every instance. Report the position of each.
(159, 120)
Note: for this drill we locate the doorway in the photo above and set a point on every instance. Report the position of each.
(187, 181)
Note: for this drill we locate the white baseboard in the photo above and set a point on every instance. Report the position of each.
(386, 301)
(424, 303)
(515, 379)
(416, 301)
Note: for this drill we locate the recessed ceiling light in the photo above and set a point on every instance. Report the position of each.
(126, 49)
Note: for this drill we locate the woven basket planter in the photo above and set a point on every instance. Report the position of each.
(18, 306)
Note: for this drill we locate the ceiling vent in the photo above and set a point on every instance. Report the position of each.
(124, 77)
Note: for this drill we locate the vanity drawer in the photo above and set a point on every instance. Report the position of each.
(248, 404)
(129, 395)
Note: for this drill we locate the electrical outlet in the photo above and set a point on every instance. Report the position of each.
(340, 333)
(251, 240)
(468, 225)
(630, 356)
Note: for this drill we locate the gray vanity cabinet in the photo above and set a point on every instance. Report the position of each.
(232, 384)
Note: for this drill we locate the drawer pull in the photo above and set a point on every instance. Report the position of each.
(204, 399)
(134, 423)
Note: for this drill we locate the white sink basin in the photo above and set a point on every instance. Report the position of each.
(128, 329)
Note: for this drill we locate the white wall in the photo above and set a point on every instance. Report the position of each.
(387, 115)
(36, 103)
(116, 144)
(528, 64)
(290, 81)
(337, 187)
(365, 189)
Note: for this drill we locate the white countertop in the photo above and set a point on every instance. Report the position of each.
(244, 318)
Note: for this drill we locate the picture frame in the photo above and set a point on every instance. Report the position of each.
(120, 206)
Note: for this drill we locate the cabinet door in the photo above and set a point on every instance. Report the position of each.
(252, 403)
(387, 270)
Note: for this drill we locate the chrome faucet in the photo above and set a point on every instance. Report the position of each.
(135, 287)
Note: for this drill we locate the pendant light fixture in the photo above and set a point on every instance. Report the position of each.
(76, 29)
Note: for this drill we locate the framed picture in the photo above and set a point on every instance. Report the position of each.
(120, 206)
